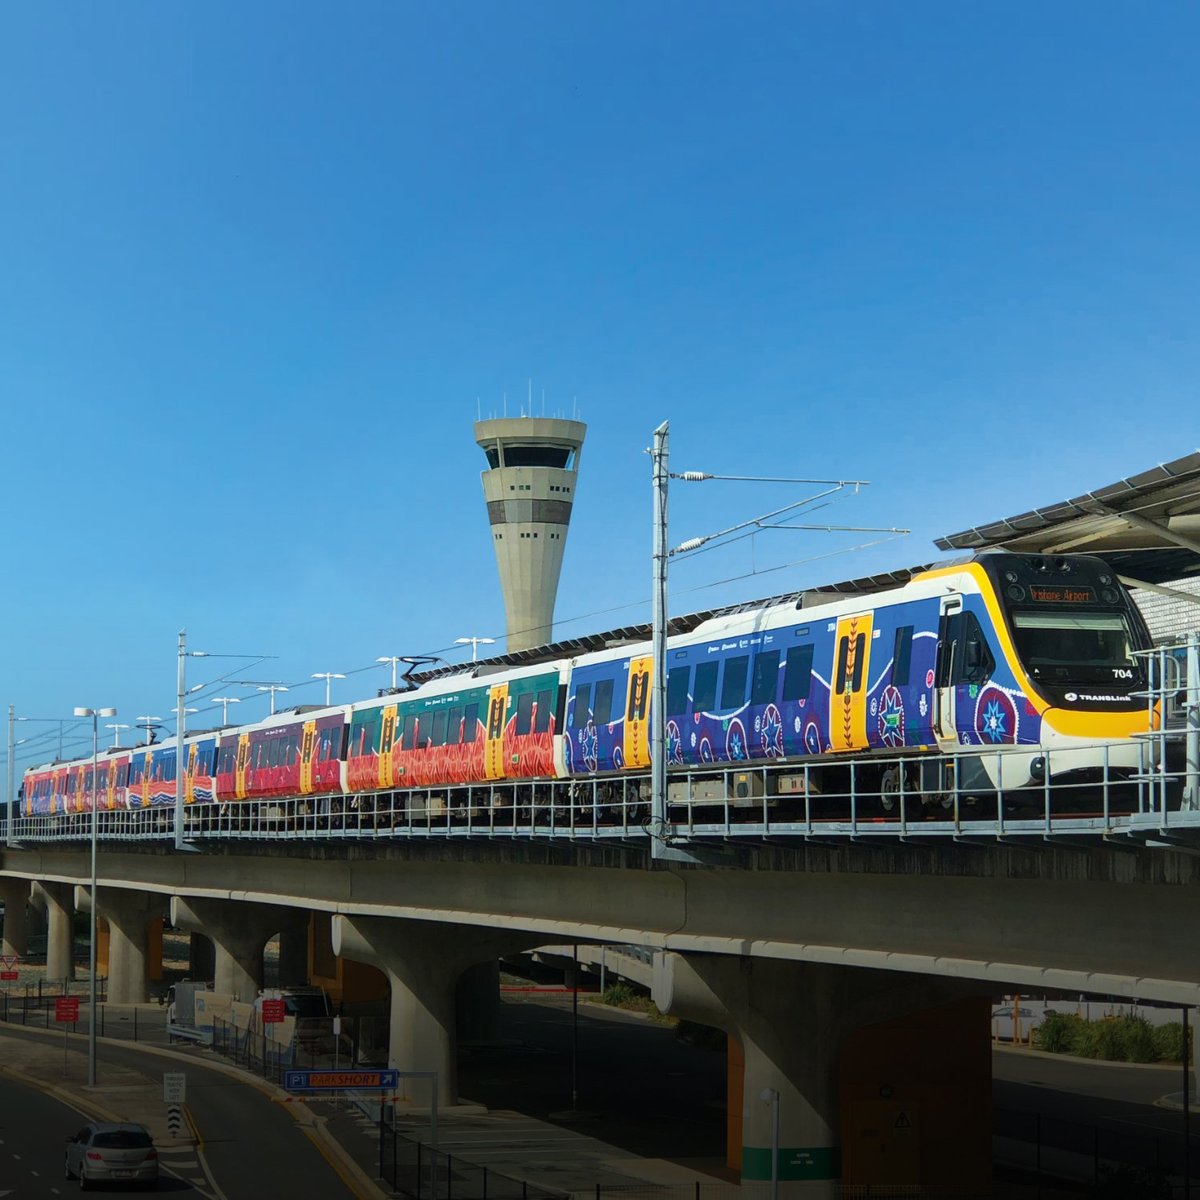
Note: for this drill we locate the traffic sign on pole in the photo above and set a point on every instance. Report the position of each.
(272, 1012)
(174, 1087)
(387, 1079)
(66, 1009)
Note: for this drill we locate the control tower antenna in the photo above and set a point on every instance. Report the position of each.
(529, 486)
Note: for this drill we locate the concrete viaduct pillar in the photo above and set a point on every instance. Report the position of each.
(59, 899)
(15, 894)
(129, 915)
(423, 961)
(239, 931)
(791, 1021)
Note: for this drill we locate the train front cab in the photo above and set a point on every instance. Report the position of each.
(1038, 681)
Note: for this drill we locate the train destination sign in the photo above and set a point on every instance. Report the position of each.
(1045, 594)
(384, 1080)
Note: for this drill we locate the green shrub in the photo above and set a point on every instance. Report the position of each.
(1058, 1032)
(1136, 1039)
(1168, 1043)
(619, 995)
(1115, 1039)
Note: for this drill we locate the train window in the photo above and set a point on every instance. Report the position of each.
(733, 684)
(639, 696)
(437, 734)
(273, 748)
(1079, 646)
(409, 741)
(678, 681)
(968, 658)
(291, 749)
(470, 722)
(580, 703)
(545, 704)
(524, 713)
(497, 708)
(602, 705)
(902, 656)
(367, 738)
(454, 726)
(843, 662)
(860, 660)
(766, 677)
(704, 697)
(797, 673)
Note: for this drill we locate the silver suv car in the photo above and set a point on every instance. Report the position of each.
(103, 1153)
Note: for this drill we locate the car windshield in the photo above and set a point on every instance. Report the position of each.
(1076, 647)
(122, 1139)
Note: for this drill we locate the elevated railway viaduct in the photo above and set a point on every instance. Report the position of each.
(797, 951)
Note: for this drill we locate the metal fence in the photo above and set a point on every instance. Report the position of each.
(415, 1169)
(1093, 1154)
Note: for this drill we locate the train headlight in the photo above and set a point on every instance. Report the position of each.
(1037, 768)
(1016, 592)
(1109, 595)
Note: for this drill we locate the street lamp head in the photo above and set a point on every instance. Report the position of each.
(272, 687)
(327, 675)
(95, 712)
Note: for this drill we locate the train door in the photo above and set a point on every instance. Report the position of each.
(493, 745)
(387, 739)
(189, 774)
(947, 669)
(637, 713)
(848, 691)
(308, 745)
(243, 759)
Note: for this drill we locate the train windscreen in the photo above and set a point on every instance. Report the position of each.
(1077, 647)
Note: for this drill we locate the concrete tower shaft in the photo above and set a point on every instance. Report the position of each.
(533, 465)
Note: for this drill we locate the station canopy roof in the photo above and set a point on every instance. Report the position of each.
(1147, 527)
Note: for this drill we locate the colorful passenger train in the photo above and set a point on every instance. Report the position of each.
(1011, 666)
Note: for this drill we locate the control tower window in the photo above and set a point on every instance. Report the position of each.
(535, 456)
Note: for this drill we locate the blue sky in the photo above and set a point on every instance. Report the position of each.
(259, 264)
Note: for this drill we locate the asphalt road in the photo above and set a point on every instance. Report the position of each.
(33, 1132)
(250, 1145)
(1094, 1109)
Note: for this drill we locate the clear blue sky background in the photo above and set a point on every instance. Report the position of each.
(259, 263)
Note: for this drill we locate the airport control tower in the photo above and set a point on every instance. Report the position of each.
(533, 465)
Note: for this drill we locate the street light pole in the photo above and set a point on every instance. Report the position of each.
(95, 714)
(393, 659)
(225, 702)
(116, 734)
(12, 746)
(149, 724)
(658, 647)
(328, 676)
(475, 643)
